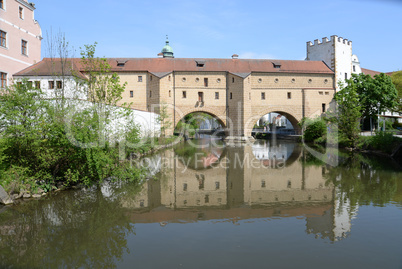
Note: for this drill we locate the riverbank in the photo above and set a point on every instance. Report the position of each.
(15, 191)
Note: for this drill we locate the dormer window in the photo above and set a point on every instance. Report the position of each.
(277, 64)
(121, 63)
(200, 63)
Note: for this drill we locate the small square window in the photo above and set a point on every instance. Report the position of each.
(216, 95)
(289, 95)
(3, 39)
(131, 94)
(24, 47)
(51, 84)
(263, 96)
(320, 93)
(326, 93)
(206, 82)
(184, 94)
(21, 13)
(139, 78)
(3, 79)
(59, 84)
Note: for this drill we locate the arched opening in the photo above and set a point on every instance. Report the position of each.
(200, 124)
(276, 123)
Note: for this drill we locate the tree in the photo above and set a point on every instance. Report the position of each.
(375, 95)
(349, 112)
(397, 81)
(163, 119)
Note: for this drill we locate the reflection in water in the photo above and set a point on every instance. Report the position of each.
(231, 186)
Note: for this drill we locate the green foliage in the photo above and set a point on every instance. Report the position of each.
(375, 95)
(163, 119)
(397, 81)
(44, 142)
(314, 129)
(382, 141)
(349, 113)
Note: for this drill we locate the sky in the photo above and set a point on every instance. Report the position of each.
(220, 28)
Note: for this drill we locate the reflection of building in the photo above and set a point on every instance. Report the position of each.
(232, 190)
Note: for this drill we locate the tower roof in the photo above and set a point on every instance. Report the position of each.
(167, 50)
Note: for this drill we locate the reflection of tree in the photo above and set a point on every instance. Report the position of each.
(71, 230)
(362, 181)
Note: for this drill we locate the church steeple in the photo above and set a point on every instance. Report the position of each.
(167, 50)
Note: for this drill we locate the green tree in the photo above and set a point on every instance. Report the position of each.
(349, 113)
(375, 95)
(163, 119)
(397, 81)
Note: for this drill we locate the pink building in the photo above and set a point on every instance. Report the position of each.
(20, 38)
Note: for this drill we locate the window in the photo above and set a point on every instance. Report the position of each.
(232, 79)
(51, 84)
(150, 93)
(1, 4)
(185, 187)
(169, 78)
(206, 82)
(184, 94)
(183, 79)
(59, 84)
(323, 108)
(30, 84)
(3, 39)
(206, 199)
(21, 13)
(139, 78)
(320, 93)
(289, 95)
(150, 78)
(24, 47)
(263, 96)
(231, 95)
(131, 94)
(263, 184)
(170, 93)
(3, 79)
(200, 96)
(346, 75)
(216, 95)
(37, 84)
(326, 93)
(217, 185)
(354, 68)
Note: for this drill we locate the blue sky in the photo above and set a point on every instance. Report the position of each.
(218, 29)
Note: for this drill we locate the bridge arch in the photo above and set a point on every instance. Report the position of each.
(215, 113)
(291, 114)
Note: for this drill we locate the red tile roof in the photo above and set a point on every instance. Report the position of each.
(52, 67)
(47, 67)
(370, 72)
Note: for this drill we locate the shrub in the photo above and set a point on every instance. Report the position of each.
(314, 129)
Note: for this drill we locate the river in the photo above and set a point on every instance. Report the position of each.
(267, 205)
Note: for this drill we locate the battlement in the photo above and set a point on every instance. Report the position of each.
(325, 40)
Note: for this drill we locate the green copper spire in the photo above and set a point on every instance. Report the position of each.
(167, 50)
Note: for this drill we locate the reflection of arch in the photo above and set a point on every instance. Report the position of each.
(288, 161)
(219, 115)
(288, 112)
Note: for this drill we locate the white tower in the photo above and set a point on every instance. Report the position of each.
(336, 53)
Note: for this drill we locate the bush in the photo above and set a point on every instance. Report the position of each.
(315, 130)
(382, 141)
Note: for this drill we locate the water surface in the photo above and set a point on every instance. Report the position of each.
(272, 204)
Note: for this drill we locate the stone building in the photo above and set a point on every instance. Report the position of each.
(237, 92)
(20, 38)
